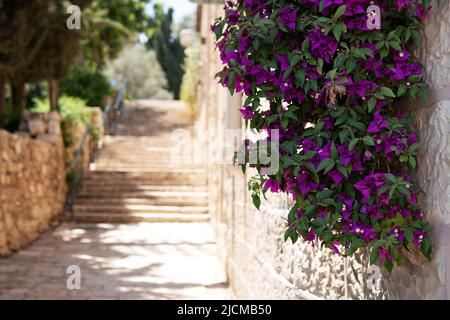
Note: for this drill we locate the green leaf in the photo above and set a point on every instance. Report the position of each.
(331, 74)
(339, 12)
(387, 92)
(305, 45)
(408, 235)
(353, 144)
(319, 65)
(401, 90)
(256, 201)
(231, 82)
(334, 152)
(372, 104)
(343, 170)
(412, 162)
(219, 29)
(325, 194)
(388, 264)
(325, 163)
(368, 140)
(301, 76)
(337, 31)
(295, 60)
(374, 255)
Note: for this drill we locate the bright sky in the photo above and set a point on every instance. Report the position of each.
(182, 7)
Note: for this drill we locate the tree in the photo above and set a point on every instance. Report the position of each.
(109, 26)
(22, 31)
(169, 51)
(146, 79)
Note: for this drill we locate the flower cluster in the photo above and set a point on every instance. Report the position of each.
(329, 84)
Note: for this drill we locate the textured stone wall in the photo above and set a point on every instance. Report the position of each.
(32, 186)
(258, 261)
(432, 280)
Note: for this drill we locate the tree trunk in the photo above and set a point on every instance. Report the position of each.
(18, 95)
(2, 99)
(53, 94)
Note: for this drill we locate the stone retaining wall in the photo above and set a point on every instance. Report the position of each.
(32, 184)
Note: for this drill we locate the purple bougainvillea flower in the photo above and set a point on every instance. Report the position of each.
(402, 4)
(367, 155)
(257, 61)
(370, 183)
(283, 60)
(244, 44)
(422, 12)
(378, 123)
(355, 7)
(233, 17)
(311, 236)
(345, 155)
(322, 46)
(361, 87)
(242, 85)
(377, 179)
(398, 233)
(334, 247)
(247, 113)
(419, 235)
(288, 17)
(336, 175)
(347, 207)
(305, 184)
(228, 56)
(273, 185)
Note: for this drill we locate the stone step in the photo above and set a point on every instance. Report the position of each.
(150, 171)
(167, 201)
(140, 217)
(125, 209)
(152, 190)
(143, 168)
(141, 181)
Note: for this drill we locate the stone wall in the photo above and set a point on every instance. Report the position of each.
(32, 182)
(258, 261)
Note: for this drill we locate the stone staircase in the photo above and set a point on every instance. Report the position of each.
(134, 178)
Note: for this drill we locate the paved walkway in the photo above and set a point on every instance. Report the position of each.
(144, 260)
(132, 261)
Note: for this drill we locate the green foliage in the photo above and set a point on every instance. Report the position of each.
(109, 25)
(330, 86)
(169, 51)
(11, 119)
(73, 111)
(87, 84)
(191, 77)
(145, 78)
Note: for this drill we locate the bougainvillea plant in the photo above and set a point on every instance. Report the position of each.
(331, 83)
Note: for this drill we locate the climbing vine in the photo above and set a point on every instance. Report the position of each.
(329, 81)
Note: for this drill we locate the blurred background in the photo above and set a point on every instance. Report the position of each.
(137, 40)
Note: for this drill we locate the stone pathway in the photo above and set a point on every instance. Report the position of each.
(129, 261)
(138, 260)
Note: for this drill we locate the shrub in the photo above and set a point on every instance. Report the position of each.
(87, 84)
(330, 83)
(73, 111)
(11, 119)
(145, 77)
